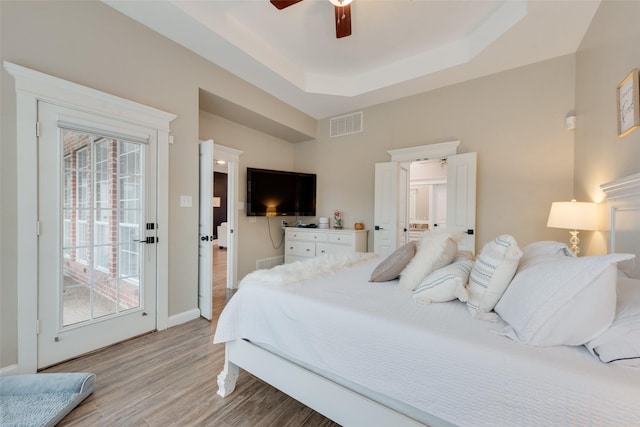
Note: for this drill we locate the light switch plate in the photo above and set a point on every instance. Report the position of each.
(186, 201)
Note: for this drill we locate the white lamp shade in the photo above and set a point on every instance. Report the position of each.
(573, 215)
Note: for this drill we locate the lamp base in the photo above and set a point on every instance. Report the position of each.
(575, 241)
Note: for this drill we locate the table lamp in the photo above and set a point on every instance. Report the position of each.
(574, 216)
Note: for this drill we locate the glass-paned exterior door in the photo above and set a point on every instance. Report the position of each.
(96, 245)
(103, 216)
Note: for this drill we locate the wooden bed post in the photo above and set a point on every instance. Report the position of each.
(227, 378)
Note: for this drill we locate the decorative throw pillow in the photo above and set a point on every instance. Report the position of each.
(436, 249)
(620, 344)
(493, 270)
(391, 266)
(560, 300)
(445, 284)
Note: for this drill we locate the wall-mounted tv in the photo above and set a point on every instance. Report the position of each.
(280, 193)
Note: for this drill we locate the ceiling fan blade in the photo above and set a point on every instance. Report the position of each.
(343, 21)
(281, 4)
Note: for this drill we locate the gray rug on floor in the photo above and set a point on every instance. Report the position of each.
(42, 399)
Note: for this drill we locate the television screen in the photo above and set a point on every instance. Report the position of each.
(280, 193)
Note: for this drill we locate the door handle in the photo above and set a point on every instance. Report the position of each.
(148, 241)
(377, 227)
(204, 238)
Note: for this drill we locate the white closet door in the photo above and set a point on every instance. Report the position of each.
(461, 197)
(385, 234)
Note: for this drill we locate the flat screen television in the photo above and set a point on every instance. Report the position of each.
(280, 193)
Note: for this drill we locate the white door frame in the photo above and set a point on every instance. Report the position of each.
(33, 86)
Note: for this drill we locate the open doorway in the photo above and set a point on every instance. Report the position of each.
(220, 228)
(427, 196)
(213, 239)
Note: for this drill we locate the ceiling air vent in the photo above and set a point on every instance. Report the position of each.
(345, 125)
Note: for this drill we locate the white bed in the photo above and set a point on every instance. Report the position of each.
(364, 353)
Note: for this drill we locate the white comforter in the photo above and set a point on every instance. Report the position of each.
(435, 358)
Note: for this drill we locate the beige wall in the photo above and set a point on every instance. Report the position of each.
(608, 52)
(91, 44)
(513, 120)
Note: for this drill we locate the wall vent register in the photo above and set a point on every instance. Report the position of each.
(345, 125)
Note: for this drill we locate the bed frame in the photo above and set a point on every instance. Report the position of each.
(347, 407)
(332, 400)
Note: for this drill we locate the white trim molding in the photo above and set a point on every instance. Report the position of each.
(31, 87)
(184, 317)
(622, 187)
(623, 203)
(425, 152)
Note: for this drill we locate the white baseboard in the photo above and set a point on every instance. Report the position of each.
(9, 370)
(183, 317)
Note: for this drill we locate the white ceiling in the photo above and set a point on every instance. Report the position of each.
(397, 48)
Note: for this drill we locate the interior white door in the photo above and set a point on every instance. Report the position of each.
(97, 232)
(438, 206)
(205, 245)
(386, 203)
(461, 197)
(403, 205)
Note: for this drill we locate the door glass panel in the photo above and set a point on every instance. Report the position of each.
(102, 217)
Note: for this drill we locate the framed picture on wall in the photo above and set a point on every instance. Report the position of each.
(628, 103)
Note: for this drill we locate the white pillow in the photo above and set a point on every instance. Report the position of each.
(560, 300)
(545, 247)
(493, 270)
(436, 249)
(620, 344)
(445, 284)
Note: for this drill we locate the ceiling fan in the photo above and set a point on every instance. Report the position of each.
(342, 14)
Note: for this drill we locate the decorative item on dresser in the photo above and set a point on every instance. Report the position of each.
(303, 243)
(337, 220)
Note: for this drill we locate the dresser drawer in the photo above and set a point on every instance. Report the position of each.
(332, 248)
(292, 258)
(346, 239)
(308, 236)
(304, 249)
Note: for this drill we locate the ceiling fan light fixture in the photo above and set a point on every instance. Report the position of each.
(340, 3)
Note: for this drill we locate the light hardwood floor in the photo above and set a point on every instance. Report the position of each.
(168, 378)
